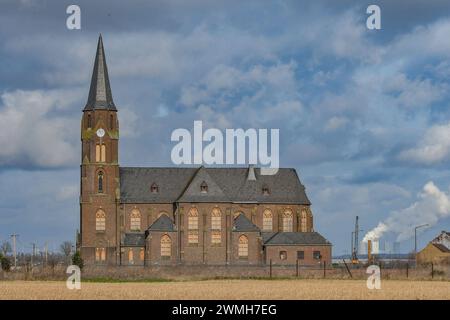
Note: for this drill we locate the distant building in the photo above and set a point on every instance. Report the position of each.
(436, 251)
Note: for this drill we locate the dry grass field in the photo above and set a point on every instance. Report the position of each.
(228, 289)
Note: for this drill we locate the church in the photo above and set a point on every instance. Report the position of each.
(136, 216)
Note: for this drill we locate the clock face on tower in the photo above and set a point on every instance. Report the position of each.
(100, 133)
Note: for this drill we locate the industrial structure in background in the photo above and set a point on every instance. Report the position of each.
(355, 238)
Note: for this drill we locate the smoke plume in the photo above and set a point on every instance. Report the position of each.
(432, 205)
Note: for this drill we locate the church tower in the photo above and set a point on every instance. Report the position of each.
(99, 169)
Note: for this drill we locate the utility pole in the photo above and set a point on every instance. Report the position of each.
(14, 236)
(33, 253)
(46, 253)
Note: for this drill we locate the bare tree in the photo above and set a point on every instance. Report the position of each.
(6, 248)
(66, 249)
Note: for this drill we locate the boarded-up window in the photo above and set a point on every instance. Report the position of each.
(100, 220)
(216, 219)
(267, 220)
(100, 254)
(243, 247)
(100, 153)
(287, 221)
(135, 220)
(216, 237)
(166, 246)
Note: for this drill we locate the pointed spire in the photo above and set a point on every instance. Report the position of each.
(100, 96)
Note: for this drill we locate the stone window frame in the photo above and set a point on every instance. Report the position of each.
(288, 220)
(266, 220)
(165, 247)
(243, 247)
(193, 227)
(100, 221)
(135, 220)
(100, 152)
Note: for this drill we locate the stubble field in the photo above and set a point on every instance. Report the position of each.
(228, 290)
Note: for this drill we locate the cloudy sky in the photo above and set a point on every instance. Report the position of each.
(363, 114)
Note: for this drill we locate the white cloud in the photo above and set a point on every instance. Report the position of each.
(31, 132)
(432, 149)
(432, 206)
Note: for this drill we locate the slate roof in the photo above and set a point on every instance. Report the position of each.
(224, 185)
(293, 238)
(133, 240)
(100, 96)
(441, 247)
(135, 184)
(241, 224)
(163, 223)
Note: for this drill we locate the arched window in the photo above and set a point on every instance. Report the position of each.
(193, 226)
(135, 220)
(100, 182)
(166, 247)
(203, 187)
(216, 219)
(142, 254)
(287, 220)
(89, 121)
(267, 220)
(243, 247)
(100, 152)
(265, 190)
(130, 256)
(216, 226)
(154, 188)
(304, 221)
(100, 220)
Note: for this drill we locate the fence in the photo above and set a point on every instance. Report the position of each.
(202, 272)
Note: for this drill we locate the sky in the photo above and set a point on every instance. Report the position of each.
(363, 114)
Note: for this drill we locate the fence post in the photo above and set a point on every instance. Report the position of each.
(407, 270)
(270, 269)
(348, 270)
(324, 269)
(432, 270)
(296, 268)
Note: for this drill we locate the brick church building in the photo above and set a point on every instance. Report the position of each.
(175, 215)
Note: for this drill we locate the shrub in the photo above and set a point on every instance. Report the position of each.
(76, 260)
(5, 263)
